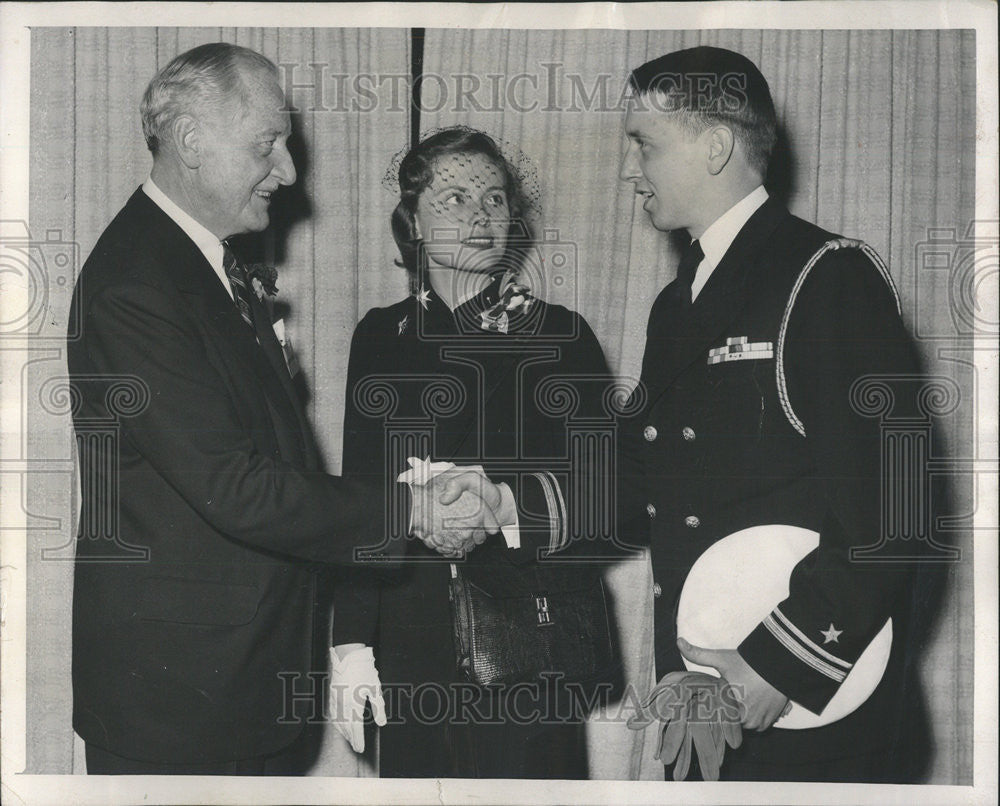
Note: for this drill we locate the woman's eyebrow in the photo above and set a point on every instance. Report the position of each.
(466, 190)
(452, 187)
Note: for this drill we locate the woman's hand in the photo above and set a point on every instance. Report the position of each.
(354, 681)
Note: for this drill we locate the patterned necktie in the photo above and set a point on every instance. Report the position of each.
(238, 284)
(686, 269)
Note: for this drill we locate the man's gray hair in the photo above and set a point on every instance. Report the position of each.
(206, 75)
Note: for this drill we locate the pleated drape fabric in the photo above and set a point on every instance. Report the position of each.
(877, 142)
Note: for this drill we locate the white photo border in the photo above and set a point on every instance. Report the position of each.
(16, 20)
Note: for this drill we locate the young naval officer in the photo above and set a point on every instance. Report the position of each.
(192, 599)
(750, 359)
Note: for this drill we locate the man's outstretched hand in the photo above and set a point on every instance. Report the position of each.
(762, 703)
(457, 509)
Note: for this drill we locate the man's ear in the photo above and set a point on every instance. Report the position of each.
(186, 134)
(721, 144)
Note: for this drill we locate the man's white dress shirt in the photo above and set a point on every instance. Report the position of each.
(210, 246)
(717, 239)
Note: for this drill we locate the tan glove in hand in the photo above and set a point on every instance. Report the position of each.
(693, 710)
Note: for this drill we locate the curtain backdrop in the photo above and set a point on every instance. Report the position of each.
(878, 138)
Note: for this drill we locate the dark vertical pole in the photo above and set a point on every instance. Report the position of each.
(416, 79)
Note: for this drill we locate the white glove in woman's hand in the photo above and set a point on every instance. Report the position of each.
(354, 681)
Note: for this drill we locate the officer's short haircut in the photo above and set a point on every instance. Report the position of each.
(209, 74)
(706, 86)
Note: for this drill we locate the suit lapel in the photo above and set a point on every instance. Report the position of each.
(223, 317)
(198, 282)
(680, 337)
(272, 349)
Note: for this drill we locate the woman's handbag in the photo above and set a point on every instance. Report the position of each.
(513, 624)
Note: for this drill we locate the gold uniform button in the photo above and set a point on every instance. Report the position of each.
(649, 433)
(657, 590)
(651, 510)
(688, 434)
(692, 521)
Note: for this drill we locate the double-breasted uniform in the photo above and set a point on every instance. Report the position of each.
(749, 420)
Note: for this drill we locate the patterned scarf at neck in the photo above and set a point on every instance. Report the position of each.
(515, 300)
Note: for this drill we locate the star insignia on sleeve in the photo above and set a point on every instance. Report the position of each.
(423, 297)
(831, 635)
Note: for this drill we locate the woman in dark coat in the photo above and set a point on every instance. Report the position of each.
(469, 369)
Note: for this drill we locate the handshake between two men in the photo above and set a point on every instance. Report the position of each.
(455, 508)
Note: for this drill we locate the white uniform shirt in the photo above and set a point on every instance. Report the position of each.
(717, 239)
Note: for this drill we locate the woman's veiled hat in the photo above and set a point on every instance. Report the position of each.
(521, 167)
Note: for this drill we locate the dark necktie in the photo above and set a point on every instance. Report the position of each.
(691, 256)
(238, 283)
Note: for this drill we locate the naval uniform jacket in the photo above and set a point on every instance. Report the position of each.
(501, 414)
(202, 495)
(714, 450)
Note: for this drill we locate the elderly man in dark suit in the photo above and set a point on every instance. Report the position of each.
(750, 360)
(184, 644)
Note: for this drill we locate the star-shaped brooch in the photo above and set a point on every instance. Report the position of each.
(831, 635)
(403, 324)
(423, 297)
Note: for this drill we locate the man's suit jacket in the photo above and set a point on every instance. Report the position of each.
(215, 476)
(713, 451)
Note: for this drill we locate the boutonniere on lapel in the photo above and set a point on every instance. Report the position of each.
(263, 279)
(515, 300)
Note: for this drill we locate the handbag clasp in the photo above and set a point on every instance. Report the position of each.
(542, 605)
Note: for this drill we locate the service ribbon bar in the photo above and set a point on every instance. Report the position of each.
(739, 349)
